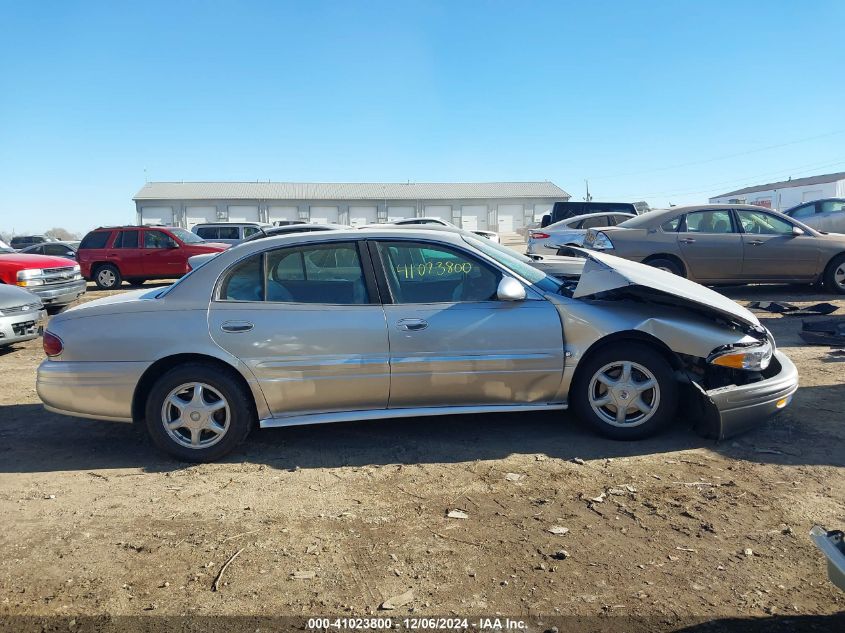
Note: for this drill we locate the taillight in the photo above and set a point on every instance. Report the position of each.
(53, 345)
(537, 235)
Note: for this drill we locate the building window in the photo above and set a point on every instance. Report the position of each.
(381, 215)
(223, 216)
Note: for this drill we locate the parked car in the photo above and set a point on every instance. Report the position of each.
(288, 222)
(571, 209)
(56, 249)
(570, 232)
(5, 248)
(22, 315)
(419, 222)
(22, 241)
(109, 255)
(228, 232)
(728, 244)
(823, 215)
(347, 325)
(832, 545)
(55, 280)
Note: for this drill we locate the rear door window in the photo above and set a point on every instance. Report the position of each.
(831, 206)
(207, 232)
(593, 223)
(804, 211)
(716, 221)
(227, 233)
(126, 239)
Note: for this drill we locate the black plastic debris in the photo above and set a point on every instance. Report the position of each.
(825, 332)
(781, 307)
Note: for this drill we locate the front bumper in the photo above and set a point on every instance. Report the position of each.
(733, 409)
(60, 294)
(17, 328)
(102, 391)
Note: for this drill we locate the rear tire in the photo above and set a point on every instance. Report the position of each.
(198, 413)
(834, 275)
(666, 264)
(634, 375)
(107, 277)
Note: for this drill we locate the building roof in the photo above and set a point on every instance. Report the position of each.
(797, 182)
(347, 190)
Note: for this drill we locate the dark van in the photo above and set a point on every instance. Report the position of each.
(569, 209)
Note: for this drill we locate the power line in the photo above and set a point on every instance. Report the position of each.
(718, 158)
(740, 182)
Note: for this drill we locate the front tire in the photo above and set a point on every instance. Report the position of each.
(625, 391)
(834, 275)
(107, 277)
(197, 413)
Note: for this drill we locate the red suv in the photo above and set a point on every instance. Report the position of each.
(109, 255)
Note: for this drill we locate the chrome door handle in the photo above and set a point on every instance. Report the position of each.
(237, 326)
(686, 240)
(412, 325)
(755, 242)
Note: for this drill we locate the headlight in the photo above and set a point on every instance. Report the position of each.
(751, 358)
(28, 278)
(602, 242)
(76, 268)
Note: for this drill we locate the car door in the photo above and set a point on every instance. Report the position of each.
(125, 253)
(452, 341)
(772, 252)
(161, 256)
(710, 245)
(308, 323)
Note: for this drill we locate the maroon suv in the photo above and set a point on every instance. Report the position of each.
(109, 255)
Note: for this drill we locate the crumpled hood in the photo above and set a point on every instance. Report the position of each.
(605, 273)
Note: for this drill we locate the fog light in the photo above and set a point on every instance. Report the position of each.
(783, 402)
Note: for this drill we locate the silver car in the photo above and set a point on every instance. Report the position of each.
(570, 232)
(374, 324)
(424, 222)
(22, 315)
(823, 215)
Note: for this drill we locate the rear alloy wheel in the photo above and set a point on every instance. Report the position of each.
(834, 275)
(626, 391)
(107, 277)
(198, 413)
(666, 264)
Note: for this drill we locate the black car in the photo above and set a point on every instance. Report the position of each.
(56, 249)
(22, 241)
(569, 209)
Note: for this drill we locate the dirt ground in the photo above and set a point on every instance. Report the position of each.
(335, 519)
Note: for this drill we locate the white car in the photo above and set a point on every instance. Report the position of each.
(490, 235)
(570, 232)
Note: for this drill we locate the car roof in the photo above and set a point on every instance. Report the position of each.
(585, 216)
(232, 224)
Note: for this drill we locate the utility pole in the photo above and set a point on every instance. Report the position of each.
(589, 197)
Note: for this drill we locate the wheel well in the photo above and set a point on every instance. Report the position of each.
(629, 336)
(163, 365)
(830, 263)
(96, 265)
(670, 257)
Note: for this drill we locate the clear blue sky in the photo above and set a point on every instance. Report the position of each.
(637, 97)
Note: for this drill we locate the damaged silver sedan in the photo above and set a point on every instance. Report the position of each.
(371, 324)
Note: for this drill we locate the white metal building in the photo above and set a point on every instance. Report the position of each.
(785, 194)
(495, 206)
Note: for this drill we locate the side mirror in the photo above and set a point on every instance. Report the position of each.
(796, 231)
(510, 290)
(545, 221)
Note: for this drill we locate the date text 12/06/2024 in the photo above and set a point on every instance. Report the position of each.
(417, 624)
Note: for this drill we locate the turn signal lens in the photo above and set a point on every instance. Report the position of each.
(53, 345)
(755, 358)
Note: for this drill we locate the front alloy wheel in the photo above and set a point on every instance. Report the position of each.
(624, 394)
(625, 390)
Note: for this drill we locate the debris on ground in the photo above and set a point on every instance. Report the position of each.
(558, 530)
(789, 309)
(457, 514)
(303, 575)
(824, 332)
(398, 601)
(216, 585)
(513, 476)
(579, 461)
(561, 554)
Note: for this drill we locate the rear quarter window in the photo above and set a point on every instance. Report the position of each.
(95, 239)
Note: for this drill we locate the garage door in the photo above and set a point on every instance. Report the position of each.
(510, 217)
(283, 213)
(200, 215)
(362, 215)
(157, 215)
(540, 210)
(243, 213)
(474, 216)
(398, 213)
(439, 211)
(323, 215)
